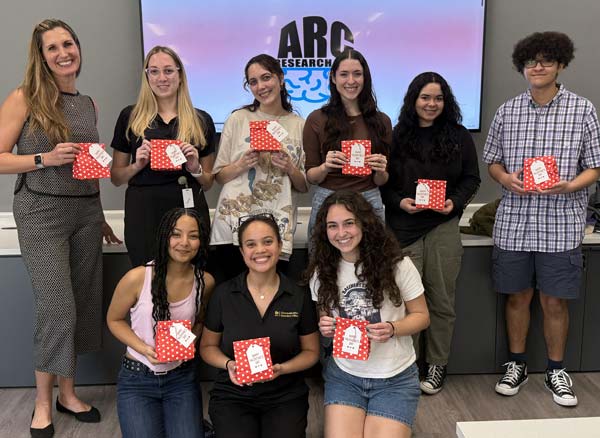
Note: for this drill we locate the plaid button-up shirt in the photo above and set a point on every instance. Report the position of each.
(567, 128)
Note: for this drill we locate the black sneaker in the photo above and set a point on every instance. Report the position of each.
(434, 380)
(514, 377)
(559, 383)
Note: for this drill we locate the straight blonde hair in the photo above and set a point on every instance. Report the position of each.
(40, 88)
(189, 128)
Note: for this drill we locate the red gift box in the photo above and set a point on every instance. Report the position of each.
(350, 339)
(168, 348)
(261, 139)
(253, 360)
(159, 160)
(539, 172)
(355, 164)
(430, 193)
(87, 167)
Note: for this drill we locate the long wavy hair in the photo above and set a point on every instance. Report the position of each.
(190, 128)
(41, 89)
(272, 66)
(338, 125)
(379, 252)
(445, 127)
(160, 303)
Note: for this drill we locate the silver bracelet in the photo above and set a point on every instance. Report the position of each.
(199, 172)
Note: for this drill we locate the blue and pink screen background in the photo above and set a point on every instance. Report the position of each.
(399, 39)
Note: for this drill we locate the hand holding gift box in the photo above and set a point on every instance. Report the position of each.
(166, 155)
(430, 193)
(253, 360)
(174, 340)
(356, 151)
(539, 173)
(91, 162)
(266, 135)
(350, 339)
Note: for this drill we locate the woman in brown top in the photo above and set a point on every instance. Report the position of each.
(350, 114)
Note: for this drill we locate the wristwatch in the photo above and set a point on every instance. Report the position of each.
(39, 161)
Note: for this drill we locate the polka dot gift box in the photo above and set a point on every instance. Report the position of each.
(263, 140)
(539, 172)
(430, 193)
(86, 166)
(356, 151)
(350, 339)
(168, 347)
(159, 159)
(253, 360)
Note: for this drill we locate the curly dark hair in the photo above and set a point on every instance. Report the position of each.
(338, 125)
(160, 303)
(553, 46)
(445, 127)
(376, 264)
(271, 65)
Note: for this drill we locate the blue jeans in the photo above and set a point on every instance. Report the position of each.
(168, 405)
(372, 195)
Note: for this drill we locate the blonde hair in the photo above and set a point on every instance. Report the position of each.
(40, 88)
(145, 110)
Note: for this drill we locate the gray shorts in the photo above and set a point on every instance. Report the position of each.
(557, 274)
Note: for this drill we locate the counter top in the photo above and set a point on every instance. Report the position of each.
(9, 244)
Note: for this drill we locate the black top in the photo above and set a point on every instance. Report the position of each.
(291, 314)
(158, 131)
(462, 181)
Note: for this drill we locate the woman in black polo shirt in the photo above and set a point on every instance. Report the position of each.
(260, 303)
(164, 111)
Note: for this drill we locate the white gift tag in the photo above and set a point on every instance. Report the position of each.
(357, 155)
(184, 336)
(256, 359)
(175, 154)
(276, 130)
(188, 198)
(351, 340)
(539, 172)
(100, 155)
(422, 195)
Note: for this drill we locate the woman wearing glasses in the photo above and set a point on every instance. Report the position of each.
(258, 182)
(260, 303)
(164, 111)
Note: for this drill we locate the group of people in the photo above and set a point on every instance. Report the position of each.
(374, 255)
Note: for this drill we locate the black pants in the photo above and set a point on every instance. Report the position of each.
(145, 207)
(259, 419)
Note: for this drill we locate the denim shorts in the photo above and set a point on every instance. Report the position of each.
(395, 398)
(557, 274)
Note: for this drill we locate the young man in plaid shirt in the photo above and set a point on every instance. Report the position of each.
(538, 235)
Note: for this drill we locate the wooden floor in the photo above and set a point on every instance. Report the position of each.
(464, 398)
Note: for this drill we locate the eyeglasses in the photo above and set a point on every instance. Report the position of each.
(155, 72)
(248, 217)
(532, 63)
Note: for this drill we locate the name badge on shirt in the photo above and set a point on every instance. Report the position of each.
(256, 359)
(422, 194)
(175, 154)
(100, 155)
(276, 130)
(539, 172)
(351, 340)
(188, 198)
(181, 334)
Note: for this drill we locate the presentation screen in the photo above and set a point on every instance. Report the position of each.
(399, 39)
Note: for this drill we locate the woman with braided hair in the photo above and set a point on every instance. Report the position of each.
(157, 398)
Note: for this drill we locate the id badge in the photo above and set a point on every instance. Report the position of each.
(188, 198)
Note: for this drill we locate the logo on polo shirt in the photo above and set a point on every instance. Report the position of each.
(283, 314)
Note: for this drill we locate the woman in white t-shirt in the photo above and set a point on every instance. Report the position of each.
(258, 182)
(357, 271)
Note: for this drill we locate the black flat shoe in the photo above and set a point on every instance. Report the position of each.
(46, 432)
(91, 416)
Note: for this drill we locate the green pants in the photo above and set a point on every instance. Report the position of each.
(438, 255)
